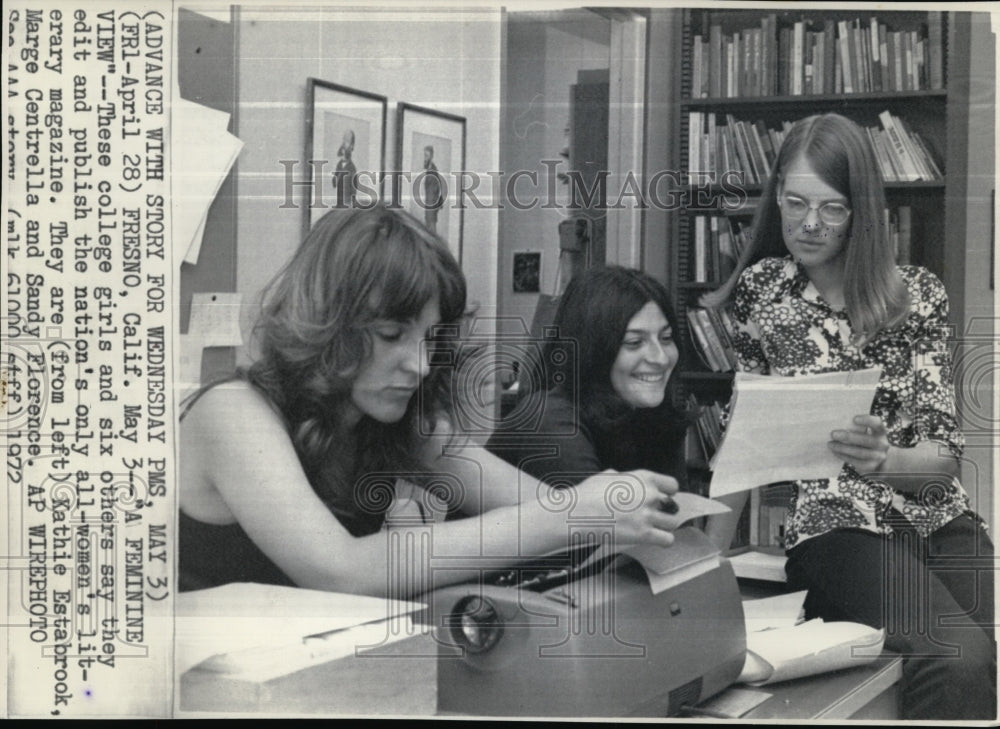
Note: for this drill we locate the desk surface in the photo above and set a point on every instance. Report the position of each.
(402, 681)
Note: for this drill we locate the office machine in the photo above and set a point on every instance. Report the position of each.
(584, 634)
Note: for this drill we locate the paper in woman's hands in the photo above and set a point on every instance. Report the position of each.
(779, 427)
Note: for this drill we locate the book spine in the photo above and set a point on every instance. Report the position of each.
(905, 225)
(864, 44)
(883, 53)
(935, 49)
(844, 56)
(857, 63)
(767, 61)
(700, 249)
(798, 39)
(696, 62)
(715, 61)
(907, 62)
(876, 63)
(897, 60)
(898, 146)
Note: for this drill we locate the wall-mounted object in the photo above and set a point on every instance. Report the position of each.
(430, 156)
(527, 272)
(345, 147)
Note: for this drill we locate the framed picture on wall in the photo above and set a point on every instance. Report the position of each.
(527, 276)
(345, 139)
(430, 154)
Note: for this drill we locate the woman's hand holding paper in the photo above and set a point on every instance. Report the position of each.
(864, 445)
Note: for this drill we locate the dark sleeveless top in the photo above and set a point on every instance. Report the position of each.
(217, 554)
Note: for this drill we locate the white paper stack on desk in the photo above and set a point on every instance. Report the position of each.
(780, 648)
(259, 631)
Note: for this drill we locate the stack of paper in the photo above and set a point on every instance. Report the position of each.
(780, 648)
(202, 152)
(250, 628)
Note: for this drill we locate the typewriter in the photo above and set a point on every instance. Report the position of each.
(583, 634)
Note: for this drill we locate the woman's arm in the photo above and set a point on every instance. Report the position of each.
(238, 446)
(865, 444)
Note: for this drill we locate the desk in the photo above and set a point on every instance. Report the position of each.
(402, 681)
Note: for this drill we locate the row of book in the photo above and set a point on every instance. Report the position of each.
(902, 154)
(770, 505)
(714, 335)
(749, 148)
(822, 57)
(719, 240)
(706, 432)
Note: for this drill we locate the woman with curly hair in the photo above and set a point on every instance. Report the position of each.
(292, 470)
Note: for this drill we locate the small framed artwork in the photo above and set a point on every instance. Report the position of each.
(527, 272)
(345, 140)
(430, 154)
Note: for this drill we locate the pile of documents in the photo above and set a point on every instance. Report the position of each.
(780, 647)
(259, 631)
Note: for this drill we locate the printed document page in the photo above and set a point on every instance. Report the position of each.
(779, 427)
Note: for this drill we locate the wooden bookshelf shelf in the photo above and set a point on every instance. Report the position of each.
(813, 101)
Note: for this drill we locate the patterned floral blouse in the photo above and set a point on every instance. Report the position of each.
(784, 327)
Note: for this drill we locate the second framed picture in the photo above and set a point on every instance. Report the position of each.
(430, 154)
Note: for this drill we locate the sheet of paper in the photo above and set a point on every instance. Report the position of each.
(203, 151)
(780, 611)
(690, 555)
(215, 319)
(693, 506)
(755, 565)
(242, 616)
(779, 427)
(267, 662)
(807, 649)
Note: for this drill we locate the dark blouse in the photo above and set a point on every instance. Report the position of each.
(217, 554)
(563, 449)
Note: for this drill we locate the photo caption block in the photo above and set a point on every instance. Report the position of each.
(86, 361)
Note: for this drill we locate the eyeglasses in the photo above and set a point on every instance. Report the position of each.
(831, 213)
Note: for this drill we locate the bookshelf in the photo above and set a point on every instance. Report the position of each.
(780, 66)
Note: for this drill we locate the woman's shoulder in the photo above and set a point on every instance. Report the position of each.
(921, 282)
(232, 403)
(928, 297)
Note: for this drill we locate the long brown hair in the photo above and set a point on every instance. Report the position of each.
(840, 153)
(356, 266)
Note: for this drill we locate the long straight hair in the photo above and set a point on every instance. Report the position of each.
(840, 153)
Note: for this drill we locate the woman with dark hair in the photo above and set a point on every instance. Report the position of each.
(609, 400)
(817, 290)
(293, 470)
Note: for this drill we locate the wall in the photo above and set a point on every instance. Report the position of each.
(448, 60)
(544, 52)
(976, 371)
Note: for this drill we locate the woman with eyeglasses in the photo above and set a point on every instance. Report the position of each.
(892, 542)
